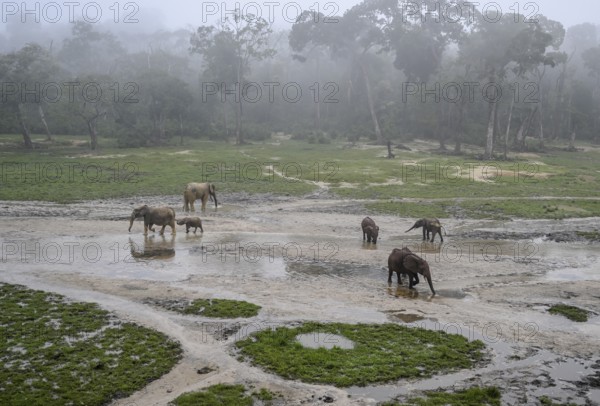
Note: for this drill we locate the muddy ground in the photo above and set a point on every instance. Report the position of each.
(304, 259)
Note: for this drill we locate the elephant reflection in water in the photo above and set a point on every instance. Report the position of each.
(153, 246)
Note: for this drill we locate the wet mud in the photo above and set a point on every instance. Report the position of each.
(304, 259)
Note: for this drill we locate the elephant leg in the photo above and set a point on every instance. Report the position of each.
(151, 227)
(187, 228)
(195, 229)
(204, 200)
(162, 230)
(364, 236)
(440, 233)
(192, 205)
(145, 229)
(390, 276)
(424, 232)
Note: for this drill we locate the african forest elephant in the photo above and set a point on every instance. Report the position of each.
(404, 261)
(429, 225)
(191, 222)
(161, 216)
(370, 230)
(200, 191)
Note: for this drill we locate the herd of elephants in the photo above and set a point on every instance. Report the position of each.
(402, 261)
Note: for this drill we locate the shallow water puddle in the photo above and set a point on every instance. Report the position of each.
(324, 340)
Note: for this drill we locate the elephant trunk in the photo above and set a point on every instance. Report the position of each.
(409, 229)
(430, 284)
(212, 192)
(131, 221)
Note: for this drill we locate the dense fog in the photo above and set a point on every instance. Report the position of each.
(498, 75)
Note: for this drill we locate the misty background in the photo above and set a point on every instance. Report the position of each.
(377, 70)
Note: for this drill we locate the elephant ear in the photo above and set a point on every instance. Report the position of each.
(412, 263)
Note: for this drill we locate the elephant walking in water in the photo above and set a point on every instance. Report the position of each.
(200, 191)
(404, 261)
(161, 216)
(431, 225)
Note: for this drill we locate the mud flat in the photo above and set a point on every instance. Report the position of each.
(304, 259)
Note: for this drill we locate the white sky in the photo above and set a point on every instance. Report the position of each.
(156, 14)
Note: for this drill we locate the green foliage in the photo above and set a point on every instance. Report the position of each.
(221, 308)
(571, 312)
(546, 401)
(381, 353)
(488, 396)
(57, 352)
(216, 395)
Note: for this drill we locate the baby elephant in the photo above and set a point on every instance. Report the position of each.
(430, 225)
(370, 230)
(191, 222)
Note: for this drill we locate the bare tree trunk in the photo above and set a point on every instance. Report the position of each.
(91, 123)
(459, 128)
(180, 130)
(239, 138)
(489, 145)
(443, 126)
(43, 118)
(318, 101)
(389, 147)
(524, 129)
(510, 112)
(380, 139)
(24, 130)
(572, 140)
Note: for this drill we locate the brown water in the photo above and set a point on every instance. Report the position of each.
(303, 263)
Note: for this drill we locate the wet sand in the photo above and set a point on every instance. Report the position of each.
(304, 259)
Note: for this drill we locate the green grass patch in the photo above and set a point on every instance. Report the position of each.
(218, 308)
(381, 353)
(217, 395)
(589, 235)
(67, 173)
(546, 401)
(570, 312)
(56, 352)
(500, 209)
(489, 396)
(223, 308)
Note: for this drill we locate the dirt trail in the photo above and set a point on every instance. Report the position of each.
(304, 259)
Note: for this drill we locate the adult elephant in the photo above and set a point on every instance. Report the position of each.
(200, 191)
(161, 216)
(430, 225)
(404, 261)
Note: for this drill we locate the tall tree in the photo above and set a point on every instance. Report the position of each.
(228, 52)
(24, 75)
(494, 48)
